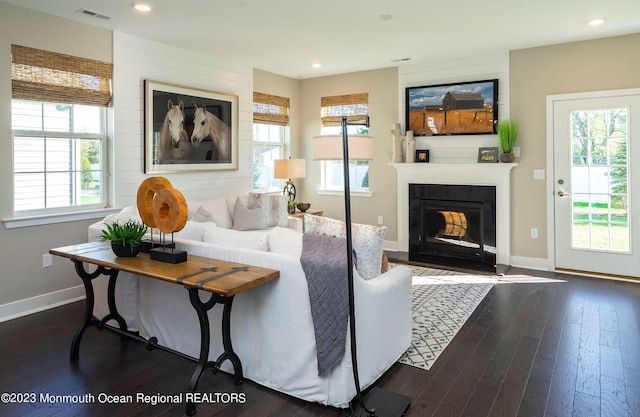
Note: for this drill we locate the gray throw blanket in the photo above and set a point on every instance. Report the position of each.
(324, 261)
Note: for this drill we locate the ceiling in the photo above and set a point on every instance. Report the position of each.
(287, 36)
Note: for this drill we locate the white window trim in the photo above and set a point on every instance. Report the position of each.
(39, 220)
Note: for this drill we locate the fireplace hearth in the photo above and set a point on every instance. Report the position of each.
(453, 225)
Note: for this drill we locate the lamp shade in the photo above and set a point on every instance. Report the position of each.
(329, 147)
(288, 168)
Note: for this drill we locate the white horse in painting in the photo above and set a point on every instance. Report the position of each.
(173, 144)
(207, 125)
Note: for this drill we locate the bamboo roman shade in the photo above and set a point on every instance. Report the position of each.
(354, 106)
(58, 78)
(270, 109)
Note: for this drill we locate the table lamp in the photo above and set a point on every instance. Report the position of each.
(288, 169)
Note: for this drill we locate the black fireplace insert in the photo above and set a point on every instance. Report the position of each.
(453, 225)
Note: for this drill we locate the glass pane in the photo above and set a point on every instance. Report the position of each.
(599, 180)
(28, 154)
(87, 119)
(28, 191)
(57, 117)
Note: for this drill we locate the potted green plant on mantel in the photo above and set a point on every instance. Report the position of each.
(507, 132)
(125, 237)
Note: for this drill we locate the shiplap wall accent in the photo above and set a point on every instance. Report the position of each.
(137, 59)
(462, 148)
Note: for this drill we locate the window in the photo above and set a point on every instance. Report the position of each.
(58, 153)
(333, 108)
(58, 119)
(270, 135)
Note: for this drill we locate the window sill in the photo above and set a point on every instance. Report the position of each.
(366, 194)
(17, 222)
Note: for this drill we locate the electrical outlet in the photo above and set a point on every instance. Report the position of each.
(47, 260)
(534, 233)
(380, 220)
(538, 174)
(516, 151)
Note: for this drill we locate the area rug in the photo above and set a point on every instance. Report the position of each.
(442, 301)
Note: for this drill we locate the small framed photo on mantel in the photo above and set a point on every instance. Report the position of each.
(422, 155)
(487, 155)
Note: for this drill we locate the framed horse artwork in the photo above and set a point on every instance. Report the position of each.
(189, 129)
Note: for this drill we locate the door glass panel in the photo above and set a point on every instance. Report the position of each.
(599, 180)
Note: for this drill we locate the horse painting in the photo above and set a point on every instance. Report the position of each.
(173, 144)
(207, 125)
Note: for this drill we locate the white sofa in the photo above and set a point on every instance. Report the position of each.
(271, 326)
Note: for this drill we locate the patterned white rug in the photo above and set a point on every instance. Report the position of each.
(441, 302)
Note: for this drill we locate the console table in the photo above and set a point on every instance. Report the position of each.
(222, 279)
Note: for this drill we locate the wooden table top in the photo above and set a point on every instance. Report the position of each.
(220, 277)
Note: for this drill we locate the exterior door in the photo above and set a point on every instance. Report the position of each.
(596, 201)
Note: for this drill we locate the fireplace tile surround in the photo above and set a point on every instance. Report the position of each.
(498, 175)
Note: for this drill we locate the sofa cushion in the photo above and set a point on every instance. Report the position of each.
(285, 241)
(253, 239)
(193, 230)
(275, 208)
(249, 218)
(368, 241)
(216, 207)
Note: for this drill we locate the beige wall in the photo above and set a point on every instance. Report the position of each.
(21, 272)
(602, 64)
(382, 86)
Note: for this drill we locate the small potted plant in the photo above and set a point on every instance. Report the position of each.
(291, 206)
(507, 132)
(125, 237)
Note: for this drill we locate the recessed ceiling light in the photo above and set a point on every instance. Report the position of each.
(316, 65)
(384, 17)
(141, 7)
(596, 22)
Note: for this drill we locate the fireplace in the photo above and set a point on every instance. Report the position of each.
(453, 225)
(496, 176)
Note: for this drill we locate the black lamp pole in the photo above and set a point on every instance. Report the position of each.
(386, 403)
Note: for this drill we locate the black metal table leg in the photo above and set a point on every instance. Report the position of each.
(205, 338)
(88, 318)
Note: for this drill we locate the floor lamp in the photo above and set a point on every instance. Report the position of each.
(378, 402)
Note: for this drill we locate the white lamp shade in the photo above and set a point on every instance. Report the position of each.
(329, 147)
(288, 168)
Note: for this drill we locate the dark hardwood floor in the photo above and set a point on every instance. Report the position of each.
(539, 344)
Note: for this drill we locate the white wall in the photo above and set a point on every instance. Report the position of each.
(456, 149)
(137, 59)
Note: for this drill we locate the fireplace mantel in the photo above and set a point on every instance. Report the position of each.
(498, 175)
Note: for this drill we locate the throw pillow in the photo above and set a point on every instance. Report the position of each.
(218, 209)
(368, 241)
(203, 215)
(249, 218)
(275, 208)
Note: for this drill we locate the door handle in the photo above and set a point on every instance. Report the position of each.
(563, 194)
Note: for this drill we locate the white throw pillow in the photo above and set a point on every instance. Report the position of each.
(275, 208)
(285, 241)
(217, 208)
(255, 239)
(368, 241)
(249, 218)
(202, 215)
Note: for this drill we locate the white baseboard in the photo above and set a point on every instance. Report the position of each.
(538, 264)
(39, 303)
(390, 245)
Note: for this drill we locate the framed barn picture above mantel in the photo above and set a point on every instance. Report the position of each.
(466, 108)
(189, 129)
